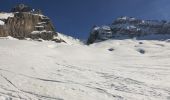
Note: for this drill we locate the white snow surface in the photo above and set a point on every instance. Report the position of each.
(40, 32)
(6, 15)
(2, 22)
(109, 70)
(69, 40)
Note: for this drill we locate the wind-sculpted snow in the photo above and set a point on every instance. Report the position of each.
(110, 70)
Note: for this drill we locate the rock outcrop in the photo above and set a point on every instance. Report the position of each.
(25, 22)
(128, 27)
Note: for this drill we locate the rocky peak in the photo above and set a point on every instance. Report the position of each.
(129, 27)
(25, 8)
(25, 22)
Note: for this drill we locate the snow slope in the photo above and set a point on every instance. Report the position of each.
(68, 39)
(110, 70)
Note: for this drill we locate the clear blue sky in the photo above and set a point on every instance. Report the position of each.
(76, 17)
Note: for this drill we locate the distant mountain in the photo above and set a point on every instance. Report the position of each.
(25, 22)
(129, 27)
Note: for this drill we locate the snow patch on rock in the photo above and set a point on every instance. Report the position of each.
(6, 15)
(8, 38)
(2, 22)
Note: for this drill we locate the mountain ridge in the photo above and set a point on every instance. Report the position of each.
(25, 22)
(129, 27)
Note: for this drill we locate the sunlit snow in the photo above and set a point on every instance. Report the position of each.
(109, 70)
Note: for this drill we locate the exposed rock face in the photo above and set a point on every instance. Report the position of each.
(27, 23)
(99, 33)
(128, 27)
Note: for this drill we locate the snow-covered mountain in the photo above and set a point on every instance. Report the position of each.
(109, 70)
(128, 27)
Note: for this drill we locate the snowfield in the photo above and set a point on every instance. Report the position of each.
(110, 70)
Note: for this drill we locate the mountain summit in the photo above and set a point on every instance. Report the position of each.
(21, 8)
(25, 22)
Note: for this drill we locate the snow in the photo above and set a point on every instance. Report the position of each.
(6, 15)
(1, 22)
(109, 70)
(107, 28)
(8, 38)
(39, 15)
(40, 23)
(69, 40)
(39, 26)
(155, 37)
(126, 18)
(39, 32)
(96, 28)
(124, 26)
(123, 18)
(143, 21)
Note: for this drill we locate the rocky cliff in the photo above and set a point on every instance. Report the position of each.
(128, 27)
(24, 22)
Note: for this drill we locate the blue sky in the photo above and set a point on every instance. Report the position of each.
(76, 17)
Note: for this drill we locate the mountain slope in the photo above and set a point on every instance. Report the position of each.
(109, 70)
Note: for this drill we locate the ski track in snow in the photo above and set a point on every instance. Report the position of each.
(110, 70)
